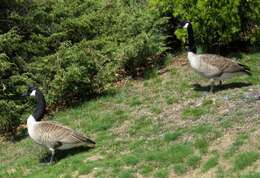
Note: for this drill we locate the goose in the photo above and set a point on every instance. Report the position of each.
(211, 66)
(51, 134)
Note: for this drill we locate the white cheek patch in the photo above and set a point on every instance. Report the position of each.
(33, 93)
(186, 25)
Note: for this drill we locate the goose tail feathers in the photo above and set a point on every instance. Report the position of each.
(90, 142)
(245, 69)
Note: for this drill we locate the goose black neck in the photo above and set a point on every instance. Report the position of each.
(40, 106)
(191, 41)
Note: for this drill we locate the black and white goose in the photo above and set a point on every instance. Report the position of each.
(52, 135)
(211, 66)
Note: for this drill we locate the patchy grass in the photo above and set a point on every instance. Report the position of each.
(240, 140)
(155, 127)
(196, 112)
(180, 168)
(193, 161)
(176, 153)
(210, 163)
(172, 136)
(251, 175)
(162, 173)
(244, 160)
(201, 144)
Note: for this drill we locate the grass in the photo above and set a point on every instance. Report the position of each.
(162, 173)
(174, 154)
(172, 136)
(193, 161)
(251, 175)
(240, 140)
(156, 127)
(131, 159)
(180, 168)
(245, 159)
(210, 163)
(196, 112)
(201, 144)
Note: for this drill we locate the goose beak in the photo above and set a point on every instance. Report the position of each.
(179, 26)
(24, 95)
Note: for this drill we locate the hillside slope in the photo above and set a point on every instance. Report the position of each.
(161, 126)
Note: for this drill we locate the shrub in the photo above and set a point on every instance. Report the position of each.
(9, 117)
(111, 37)
(218, 23)
(74, 49)
(72, 73)
(9, 78)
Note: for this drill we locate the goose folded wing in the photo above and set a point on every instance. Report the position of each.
(58, 133)
(209, 66)
(223, 64)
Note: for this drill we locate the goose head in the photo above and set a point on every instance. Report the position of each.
(191, 41)
(184, 24)
(31, 91)
(40, 101)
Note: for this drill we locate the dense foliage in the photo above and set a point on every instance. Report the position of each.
(71, 49)
(218, 23)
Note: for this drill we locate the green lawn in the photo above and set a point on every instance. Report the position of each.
(156, 127)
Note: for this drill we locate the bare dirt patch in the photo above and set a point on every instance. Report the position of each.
(195, 174)
(90, 175)
(122, 130)
(93, 158)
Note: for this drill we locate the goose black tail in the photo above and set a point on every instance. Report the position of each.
(90, 142)
(246, 69)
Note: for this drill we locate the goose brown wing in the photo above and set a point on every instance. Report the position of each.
(54, 132)
(225, 65)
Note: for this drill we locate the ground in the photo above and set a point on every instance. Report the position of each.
(164, 125)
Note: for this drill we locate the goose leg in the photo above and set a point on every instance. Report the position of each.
(52, 155)
(220, 82)
(211, 85)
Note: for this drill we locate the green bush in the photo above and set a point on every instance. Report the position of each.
(73, 72)
(73, 49)
(10, 77)
(111, 37)
(9, 117)
(218, 23)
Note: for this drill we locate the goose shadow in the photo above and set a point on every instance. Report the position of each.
(15, 136)
(22, 134)
(61, 154)
(217, 88)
